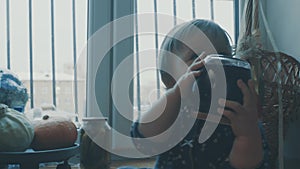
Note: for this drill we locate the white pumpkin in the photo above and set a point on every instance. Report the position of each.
(16, 131)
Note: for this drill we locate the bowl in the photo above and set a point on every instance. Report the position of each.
(221, 73)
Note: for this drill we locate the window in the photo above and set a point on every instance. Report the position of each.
(54, 69)
(42, 62)
(146, 86)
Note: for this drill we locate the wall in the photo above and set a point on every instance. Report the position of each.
(283, 18)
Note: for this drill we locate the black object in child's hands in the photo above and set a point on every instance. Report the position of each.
(212, 78)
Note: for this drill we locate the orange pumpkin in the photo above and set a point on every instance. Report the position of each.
(52, 132)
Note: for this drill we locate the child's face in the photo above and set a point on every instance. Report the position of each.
(183, 61)
(185, 56)
(180, 64)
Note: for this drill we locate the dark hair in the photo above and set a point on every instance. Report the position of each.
(179, 41)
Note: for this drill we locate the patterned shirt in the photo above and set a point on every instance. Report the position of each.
(190, 154)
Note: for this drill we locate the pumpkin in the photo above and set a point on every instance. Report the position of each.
(52, 132)
(16, 131)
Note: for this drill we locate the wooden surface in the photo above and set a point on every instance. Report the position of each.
(116, 164)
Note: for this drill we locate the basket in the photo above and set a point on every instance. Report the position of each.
(276, 76)
(264, 67)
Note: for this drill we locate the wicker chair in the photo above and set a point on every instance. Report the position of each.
(265, 75)
(276, 87)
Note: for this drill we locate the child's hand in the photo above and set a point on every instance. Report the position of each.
(185, 83)
(247, 151)
(244, 117)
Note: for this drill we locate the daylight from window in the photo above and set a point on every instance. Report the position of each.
(147, 89)
(15, 43)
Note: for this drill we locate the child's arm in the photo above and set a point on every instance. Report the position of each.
(161, 115)
(164, 112)
(247, 151)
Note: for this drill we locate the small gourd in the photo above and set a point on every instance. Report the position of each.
(53, 132)
(16, 131)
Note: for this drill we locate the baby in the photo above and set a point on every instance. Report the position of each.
(239, 145)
